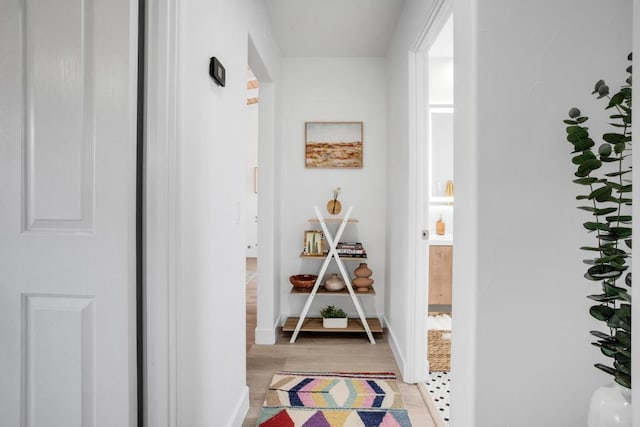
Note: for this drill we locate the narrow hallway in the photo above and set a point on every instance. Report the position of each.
(319, 352)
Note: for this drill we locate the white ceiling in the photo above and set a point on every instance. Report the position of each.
(326, 28)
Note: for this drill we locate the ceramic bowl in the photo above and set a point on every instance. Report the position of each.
(303, 281)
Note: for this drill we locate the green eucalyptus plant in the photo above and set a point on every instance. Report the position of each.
(605, 176)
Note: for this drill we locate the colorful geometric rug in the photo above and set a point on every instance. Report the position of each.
(333, 399)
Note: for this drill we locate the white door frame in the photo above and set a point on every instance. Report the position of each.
(267, 293)
(161, 221)
(417, 370)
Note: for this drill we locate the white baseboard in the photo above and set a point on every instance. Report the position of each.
(267, 336)
(428, 401)
(397, 354)
(241, 409)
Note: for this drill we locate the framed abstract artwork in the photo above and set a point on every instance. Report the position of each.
(333, 144)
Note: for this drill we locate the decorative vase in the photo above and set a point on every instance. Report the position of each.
(362, 281)
(362, 284)
(334, 283)
(334, 207)
(363, 270)
(610, 406)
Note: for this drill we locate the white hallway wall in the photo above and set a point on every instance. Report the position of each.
(531, 293)
(212, 149)
(332, 89)
(532, 361)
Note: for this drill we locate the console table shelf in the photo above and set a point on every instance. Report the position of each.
(323, 291)
(314, 324)
(345, 257)
(359, 324)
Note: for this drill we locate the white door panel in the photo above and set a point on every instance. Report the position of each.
(67, 212)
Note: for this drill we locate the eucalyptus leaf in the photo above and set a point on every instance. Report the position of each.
(623, 379)
(585, 181)
(600, 272)
(624, 338)
(613, 290)
(574, 129)
(602, 335)
(621, 232)
(622, 367)
(608, 350)
(592, 226)
(577, 135)
(605, 368)
(617, 173)
(602, 297)
(602, 312)
(619, 218)
(616, 99)
(623, 355)
(600, 194)
(583, 144)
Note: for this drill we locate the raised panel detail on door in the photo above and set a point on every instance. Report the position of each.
(440, 274)
(58, 335)
(59, 152)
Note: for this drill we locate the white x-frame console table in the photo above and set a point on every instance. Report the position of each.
(332, 241)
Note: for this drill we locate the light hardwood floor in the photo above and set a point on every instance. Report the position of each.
(319, 352)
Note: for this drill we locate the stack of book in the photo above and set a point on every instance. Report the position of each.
(351, 249)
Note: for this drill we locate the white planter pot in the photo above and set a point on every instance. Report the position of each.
(610, 406)
(336, 322)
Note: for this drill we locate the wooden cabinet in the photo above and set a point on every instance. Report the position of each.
(440, 274)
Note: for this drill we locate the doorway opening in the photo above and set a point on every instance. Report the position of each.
(439, 216)
(251, 204)
(431, 216)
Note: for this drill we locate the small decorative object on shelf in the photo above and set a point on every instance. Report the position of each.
(334, 283)
(351, 249)
(303, 281)
(362, 281)
(333, 317)
(313, 243)
(334, 207)
(448, 191)
(440, 226)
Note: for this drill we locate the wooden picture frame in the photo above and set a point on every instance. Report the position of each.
(313, 242)
(333, 144)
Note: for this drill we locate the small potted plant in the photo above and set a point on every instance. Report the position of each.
(333, 317)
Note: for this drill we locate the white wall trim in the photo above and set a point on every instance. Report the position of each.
(161, 215)
(397, 353)
(418, 258)
(465, 250)
(241, 409)
(268, 336)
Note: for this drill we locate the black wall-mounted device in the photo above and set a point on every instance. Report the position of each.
(217, 71)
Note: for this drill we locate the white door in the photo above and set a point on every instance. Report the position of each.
(67, 212)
